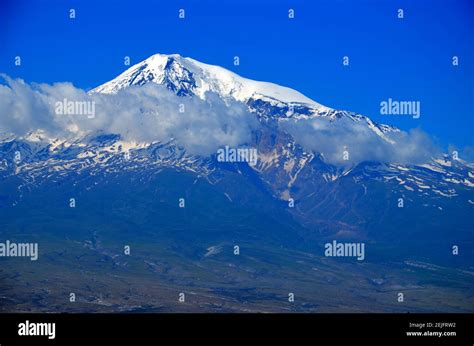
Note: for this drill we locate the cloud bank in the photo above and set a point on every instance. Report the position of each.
(345, 141)
(151, 113)
(142, 114)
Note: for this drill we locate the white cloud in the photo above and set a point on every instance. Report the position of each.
(151, 113)
(361, 143)
(143, 114)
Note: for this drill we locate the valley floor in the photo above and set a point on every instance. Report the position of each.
(213, 279)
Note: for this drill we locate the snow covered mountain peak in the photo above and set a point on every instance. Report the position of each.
(189, 77)
(186, 76)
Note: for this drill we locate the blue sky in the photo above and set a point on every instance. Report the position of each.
(408, 59)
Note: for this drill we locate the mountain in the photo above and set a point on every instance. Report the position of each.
(408, 215)
(284, 169)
